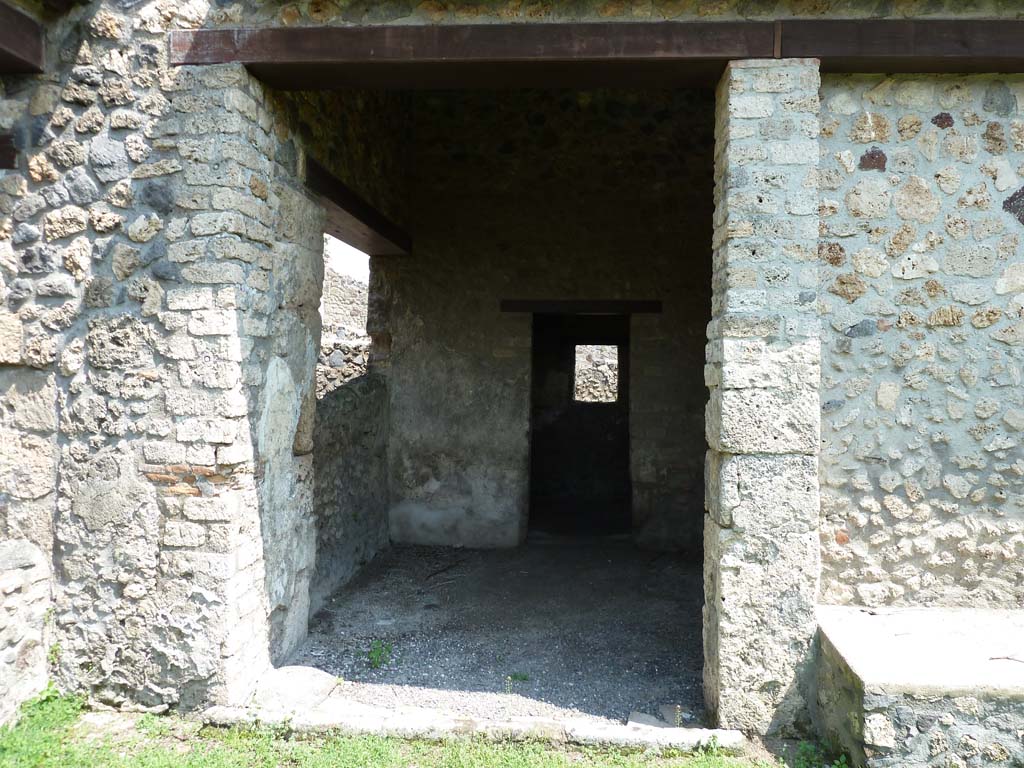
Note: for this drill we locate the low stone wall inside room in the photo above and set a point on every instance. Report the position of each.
(922, 286)
(24, 607)
(350, 498)
(349, 437)
(545, 195)
(344, 343)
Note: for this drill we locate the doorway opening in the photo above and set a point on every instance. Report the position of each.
(579, 459)
(511, 515)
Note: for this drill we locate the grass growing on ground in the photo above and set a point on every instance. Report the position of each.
(52, 732)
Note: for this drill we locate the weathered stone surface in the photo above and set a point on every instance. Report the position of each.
(849, 286)
(118, 342)
(28, 464)
(869, 127)
(177, 602)
(25, 580)
(763, 430)
(30, 400)
(65, 222)
(915, 506)
(869, 199)
(888, 697)
(11, 335)
(915, 201)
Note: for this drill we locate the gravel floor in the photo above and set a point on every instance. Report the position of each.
(555, 628)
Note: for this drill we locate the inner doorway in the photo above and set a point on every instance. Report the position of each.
(579, 459)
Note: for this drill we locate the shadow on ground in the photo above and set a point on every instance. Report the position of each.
(555, 628)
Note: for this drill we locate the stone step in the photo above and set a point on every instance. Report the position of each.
(307, 699)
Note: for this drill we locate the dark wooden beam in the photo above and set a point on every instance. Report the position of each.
(21, 42)
(583, 306)
(479, 55)
(594, 54)
(353, 220)
(904, 45)
(426, 44)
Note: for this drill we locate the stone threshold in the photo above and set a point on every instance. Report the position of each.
(307, 700)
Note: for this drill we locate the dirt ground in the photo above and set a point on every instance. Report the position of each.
(555, 628)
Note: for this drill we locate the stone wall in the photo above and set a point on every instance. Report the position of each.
(922, 292)
(340, 361)
(349, 438)
(24, 610)
(343, 305)
(558, 195)
(596, 374)
(761, 533)
(160, 281)
(351, 495)
(893, 729)
(344, 343)
(361, 136)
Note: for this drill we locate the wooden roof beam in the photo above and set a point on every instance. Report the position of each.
(21, 42)
(595, 54)
(907, 45)
(352, 219)
(480, 43)
(479, 55)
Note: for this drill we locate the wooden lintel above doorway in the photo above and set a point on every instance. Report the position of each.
(635, 54)
(352, 219)
(480, 55)
(21, 42)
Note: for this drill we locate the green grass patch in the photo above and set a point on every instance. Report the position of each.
(52, 732)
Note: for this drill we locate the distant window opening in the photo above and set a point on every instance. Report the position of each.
(580, 482)
(596, 375)
(344, 342)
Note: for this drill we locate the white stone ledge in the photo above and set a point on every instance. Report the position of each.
(932, 651)
(310, 700)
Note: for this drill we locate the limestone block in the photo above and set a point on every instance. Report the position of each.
(1012, 280)
(28, 464)
(212, 322)
(223, 508)
(65, 222)
(761, 494)
(183, 534)
(109, 505)
(11, 335)
(118, 342)
(30, 399)
(758, 582)
(915, 201)
(763, 421)
(869, 199)
(754, 363)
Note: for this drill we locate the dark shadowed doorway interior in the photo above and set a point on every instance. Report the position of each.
(579, 459)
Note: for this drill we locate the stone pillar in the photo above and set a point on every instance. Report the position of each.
(762, 421)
